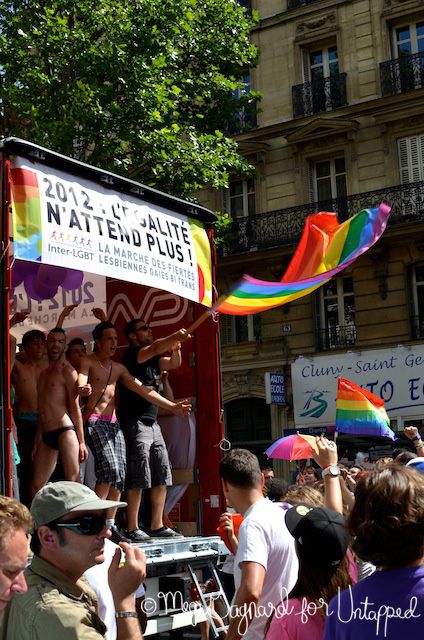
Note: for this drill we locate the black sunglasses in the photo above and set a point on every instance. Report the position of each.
(145, 327)
(90, 525)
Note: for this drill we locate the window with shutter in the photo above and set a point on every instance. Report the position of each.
(417, 285)
(239, 199)
(408, 50)
(226, 329)
(236, 329)
(337, 314)
(323, 87)
(306, 65)
(408, 39)
(225, 201)
(416, 169)
(311, 181)
(320, 63)
(327, 184)
(411, 158)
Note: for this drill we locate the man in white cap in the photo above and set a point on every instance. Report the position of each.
(68, 538)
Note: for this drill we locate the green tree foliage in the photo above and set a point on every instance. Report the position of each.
(141, 87)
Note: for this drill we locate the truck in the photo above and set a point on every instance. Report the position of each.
(72, 233)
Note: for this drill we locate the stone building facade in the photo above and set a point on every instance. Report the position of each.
(340, 128)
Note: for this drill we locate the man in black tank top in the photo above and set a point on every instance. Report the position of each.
(147, 457)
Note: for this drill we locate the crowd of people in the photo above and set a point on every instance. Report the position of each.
(297, 558)
(87, 410)
(341, 557)
(338, 554)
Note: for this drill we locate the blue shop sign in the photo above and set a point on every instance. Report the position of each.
(275, 388)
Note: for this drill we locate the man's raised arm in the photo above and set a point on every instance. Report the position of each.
(181, 408)
(161, 345)
(64, 314)
(174, 360)
(17, 318)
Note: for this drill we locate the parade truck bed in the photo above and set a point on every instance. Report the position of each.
(142, 253)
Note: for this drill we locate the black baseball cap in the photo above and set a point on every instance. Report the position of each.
(320, 533)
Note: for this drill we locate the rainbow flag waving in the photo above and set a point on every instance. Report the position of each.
(360, 412)
(326, 247)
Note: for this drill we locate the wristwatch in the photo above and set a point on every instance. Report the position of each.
(332, 470)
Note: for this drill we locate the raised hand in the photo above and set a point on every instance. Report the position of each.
(99, 314)
(18, 317)
(411, 432)
(181, 335)
(125, 578)
(327, 452)
(67, 310)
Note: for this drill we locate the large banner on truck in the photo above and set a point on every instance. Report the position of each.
(65, 220)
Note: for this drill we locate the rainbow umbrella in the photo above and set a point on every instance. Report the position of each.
(295, 447)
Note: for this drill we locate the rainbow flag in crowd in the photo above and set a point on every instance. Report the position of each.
(326, 247)
(360, 412)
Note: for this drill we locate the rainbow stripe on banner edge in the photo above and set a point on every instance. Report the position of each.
(26, 213)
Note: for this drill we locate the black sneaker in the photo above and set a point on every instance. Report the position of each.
(117, 536)
(165, 532)
(137, 536)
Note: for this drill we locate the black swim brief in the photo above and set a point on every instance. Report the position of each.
(51, 438)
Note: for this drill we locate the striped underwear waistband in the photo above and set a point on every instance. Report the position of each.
(100, 416)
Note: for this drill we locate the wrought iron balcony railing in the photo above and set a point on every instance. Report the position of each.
(296, 4)
(323, 94)
(338, 337)
(402, 74)
(284, 226)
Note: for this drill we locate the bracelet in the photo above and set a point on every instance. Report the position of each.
(418, 444)
(126, 614)
(417, 437)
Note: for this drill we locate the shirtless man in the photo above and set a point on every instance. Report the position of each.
(60, 428)
(106, 439)
(24, 378)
